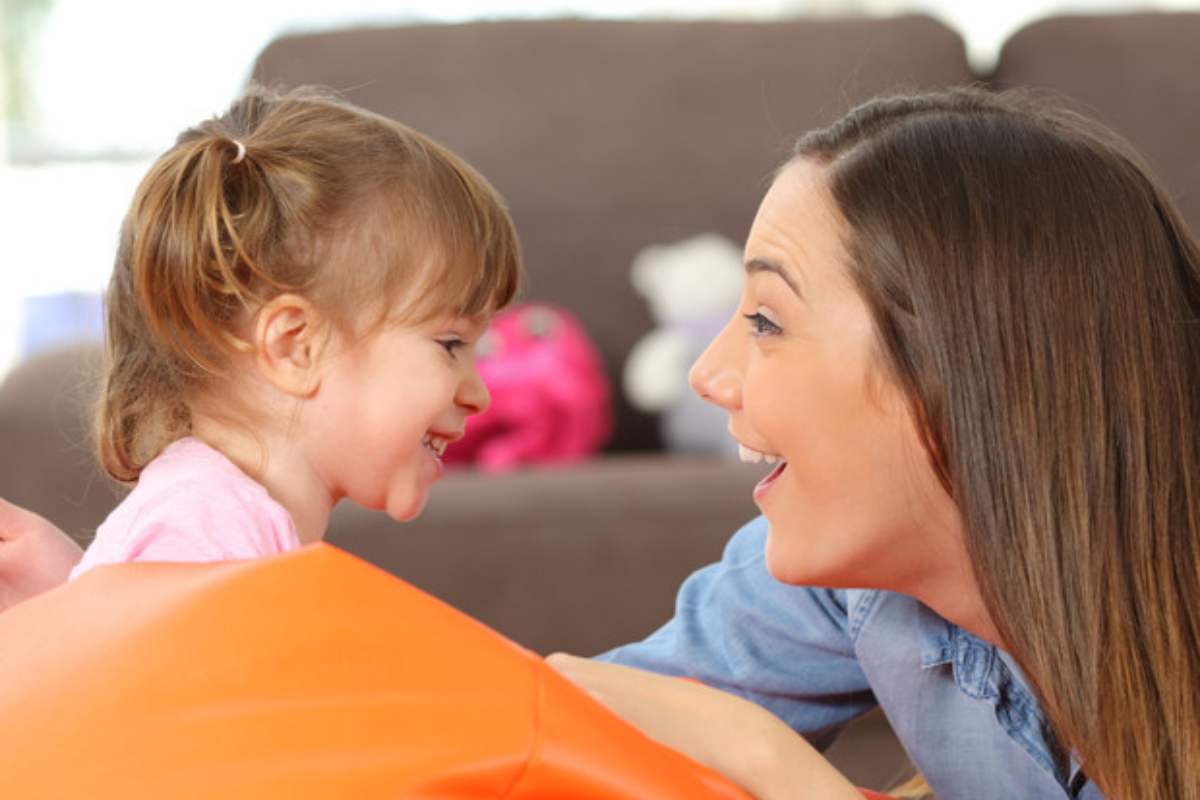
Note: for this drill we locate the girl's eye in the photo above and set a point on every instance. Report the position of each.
(452, 345)
(761, 325)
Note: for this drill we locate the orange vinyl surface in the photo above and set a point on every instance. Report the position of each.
(312, 674)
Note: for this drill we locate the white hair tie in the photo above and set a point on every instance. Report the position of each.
(241, 154)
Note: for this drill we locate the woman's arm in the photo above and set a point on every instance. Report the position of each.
(34, 555)
(737, 738)
(787, 648)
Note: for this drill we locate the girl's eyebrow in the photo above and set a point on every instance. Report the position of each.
(476, 324)
(764, 265)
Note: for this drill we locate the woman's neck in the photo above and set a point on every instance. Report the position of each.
(951, 590)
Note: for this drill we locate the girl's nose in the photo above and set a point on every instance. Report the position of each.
(716, 375)
(473, 395)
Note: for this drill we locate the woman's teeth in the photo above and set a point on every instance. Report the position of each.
(436, 443)
(754, 456)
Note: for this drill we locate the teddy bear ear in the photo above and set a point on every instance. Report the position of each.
(489, 344)
(539, 321)
(645, 271)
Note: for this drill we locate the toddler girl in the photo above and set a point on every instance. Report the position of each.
(291, 321)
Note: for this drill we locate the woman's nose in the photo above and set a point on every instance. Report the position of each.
(716, 375)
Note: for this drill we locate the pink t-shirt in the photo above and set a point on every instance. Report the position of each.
(192, 504)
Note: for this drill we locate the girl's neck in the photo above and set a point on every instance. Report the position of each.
(273, 460)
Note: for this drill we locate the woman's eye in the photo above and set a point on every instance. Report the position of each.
(762, 326)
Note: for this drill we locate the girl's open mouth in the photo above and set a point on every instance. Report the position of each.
(435, 447)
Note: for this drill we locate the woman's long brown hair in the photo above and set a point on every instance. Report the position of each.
(1038, 295)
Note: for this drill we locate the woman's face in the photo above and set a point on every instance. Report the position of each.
(857, 502)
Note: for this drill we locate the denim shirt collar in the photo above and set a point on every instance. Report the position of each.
(973, 659)
(984, 672)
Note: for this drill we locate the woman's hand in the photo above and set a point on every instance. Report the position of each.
(742, 741)
(34, 555)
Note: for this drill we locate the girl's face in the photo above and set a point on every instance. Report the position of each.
(387, 407)
(855, 502)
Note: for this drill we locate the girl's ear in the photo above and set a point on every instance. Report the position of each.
(290, 337)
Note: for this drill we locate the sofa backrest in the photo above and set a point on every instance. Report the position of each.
(48, 461)
(1136, 73)
(606, 137)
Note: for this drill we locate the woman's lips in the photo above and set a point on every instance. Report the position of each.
(765, 484)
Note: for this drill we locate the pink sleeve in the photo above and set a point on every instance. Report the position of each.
(195, 523)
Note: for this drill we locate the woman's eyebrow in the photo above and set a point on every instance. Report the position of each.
(764, 265)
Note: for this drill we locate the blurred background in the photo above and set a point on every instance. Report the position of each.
(91, 91)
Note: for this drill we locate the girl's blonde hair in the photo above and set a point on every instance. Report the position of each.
(286, 192)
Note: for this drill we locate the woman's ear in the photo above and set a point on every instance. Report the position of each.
(290, 338)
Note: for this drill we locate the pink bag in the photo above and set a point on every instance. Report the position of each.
(550, 397)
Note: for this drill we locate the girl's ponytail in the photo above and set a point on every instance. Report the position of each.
(192, 269)
(186, 265)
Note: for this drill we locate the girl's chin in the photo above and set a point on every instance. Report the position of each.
(408, 510)
(408, 494)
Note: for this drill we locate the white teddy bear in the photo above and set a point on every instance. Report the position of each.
(692, 287)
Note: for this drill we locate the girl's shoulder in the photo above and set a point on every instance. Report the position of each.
(192, 504)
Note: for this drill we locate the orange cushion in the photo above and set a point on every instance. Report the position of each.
(312, 674)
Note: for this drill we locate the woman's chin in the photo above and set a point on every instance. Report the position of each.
(782, 561)
(792, 557)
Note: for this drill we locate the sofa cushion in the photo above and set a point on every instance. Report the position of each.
(607, 543)
(1134, 72)
(49, 463)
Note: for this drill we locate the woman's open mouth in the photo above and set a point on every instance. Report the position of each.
(753, 456)
(766, 482)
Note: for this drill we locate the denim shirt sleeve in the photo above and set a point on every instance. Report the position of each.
(787, 648)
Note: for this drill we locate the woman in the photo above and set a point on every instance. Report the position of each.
(34, 555)
(969, 330)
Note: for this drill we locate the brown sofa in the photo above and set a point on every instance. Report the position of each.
(606, 137)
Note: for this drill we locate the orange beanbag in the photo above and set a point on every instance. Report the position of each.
(309, 675)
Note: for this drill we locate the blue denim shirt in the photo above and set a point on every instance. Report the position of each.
(818, 658)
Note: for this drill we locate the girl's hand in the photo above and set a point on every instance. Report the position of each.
(34, 555)
(742, 741)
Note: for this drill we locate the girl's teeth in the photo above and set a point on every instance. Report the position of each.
(770, 459)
